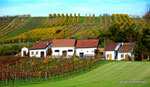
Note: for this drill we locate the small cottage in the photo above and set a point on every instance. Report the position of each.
(24, 52)
(63, 47)
(40, 49)
(125, 52)
(111, 51)
(86, 47)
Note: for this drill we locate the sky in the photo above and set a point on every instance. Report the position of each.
(97, 7)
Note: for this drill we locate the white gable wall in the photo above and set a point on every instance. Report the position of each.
(112, 52)
(22, 51)
(61, 49)
(108, 53)
(86, 51)
(123, 53)
(37, 52)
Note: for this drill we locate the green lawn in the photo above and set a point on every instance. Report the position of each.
(107, 75)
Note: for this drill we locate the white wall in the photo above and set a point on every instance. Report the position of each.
(124, 53)
(86, 51)
(22, 51)
(110, 52)
(39, 53)
(61, 49)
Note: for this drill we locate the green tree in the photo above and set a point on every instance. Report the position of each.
(49, 51)
(128, 34)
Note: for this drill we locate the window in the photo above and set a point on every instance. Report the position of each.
(56, 50)
(81, 54)
(36, 52)
(32, 53)
(70, 50)
(122, 55)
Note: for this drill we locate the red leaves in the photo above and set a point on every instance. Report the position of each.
(37, 68)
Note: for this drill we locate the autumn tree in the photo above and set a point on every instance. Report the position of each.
(69, 20)
(61, 19)
(74, 19)
(89, 19)
(93, 19)
(78, 19)
(85, 20)
(54, 19)
(66, 18)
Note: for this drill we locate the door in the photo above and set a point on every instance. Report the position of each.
(42, 54)
(24, 53)
(64, 53)
(81, 54)
(110, 56)
(127, 57)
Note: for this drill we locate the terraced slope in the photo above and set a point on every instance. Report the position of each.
(83, 27)
(4, 21)
(13, 26)
(108, 75)
(31, 23)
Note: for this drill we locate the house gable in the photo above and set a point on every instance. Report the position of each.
(40, 45)
(63, 43)
(88, 43)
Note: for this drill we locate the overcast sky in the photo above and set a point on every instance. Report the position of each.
(45, 7)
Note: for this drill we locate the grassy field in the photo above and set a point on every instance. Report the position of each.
(108, 75)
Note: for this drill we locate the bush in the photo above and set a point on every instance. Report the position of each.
(12, 50)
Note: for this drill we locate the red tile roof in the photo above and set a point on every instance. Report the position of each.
(126, 48)
(111, 47)
(63, 43)
(87, 43)
(40, 45)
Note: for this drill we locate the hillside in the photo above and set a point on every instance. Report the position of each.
(31, 23)
(79, 27)
(107, 75)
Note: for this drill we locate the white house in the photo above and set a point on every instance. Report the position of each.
(40, 49)
(24, 52)
(125, 52)
(86, 47)
(63, 47)
(111, 51)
